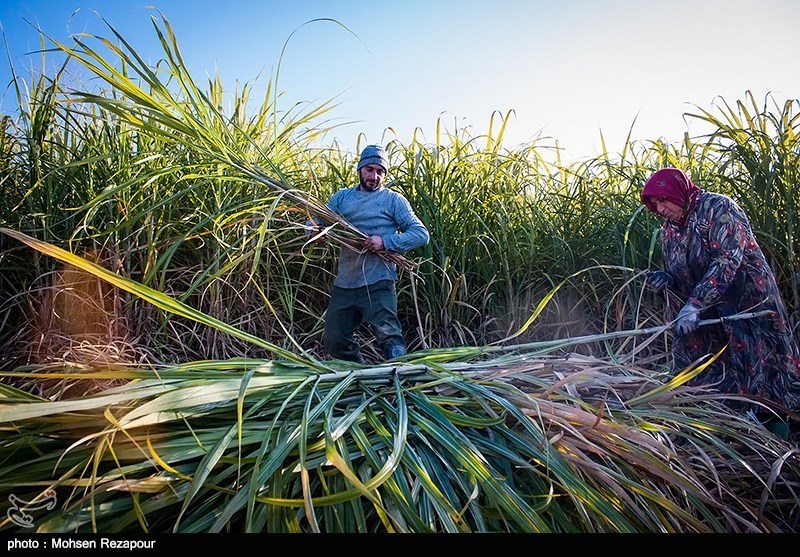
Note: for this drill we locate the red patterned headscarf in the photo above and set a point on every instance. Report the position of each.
(673, 185)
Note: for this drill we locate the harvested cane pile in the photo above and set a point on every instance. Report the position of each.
(522, 442)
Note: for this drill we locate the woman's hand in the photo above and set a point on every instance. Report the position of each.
(659, 279)
(688, 320)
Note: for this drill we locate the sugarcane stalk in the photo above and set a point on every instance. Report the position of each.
(621, 334)
(348, 236)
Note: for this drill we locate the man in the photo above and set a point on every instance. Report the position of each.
(364, 289)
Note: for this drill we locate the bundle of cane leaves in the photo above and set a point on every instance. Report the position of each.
(166, 103)
(517, 443)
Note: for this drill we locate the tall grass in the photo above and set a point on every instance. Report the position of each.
(129, 172)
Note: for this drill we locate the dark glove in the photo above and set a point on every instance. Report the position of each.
(688, 320)
(659, 279)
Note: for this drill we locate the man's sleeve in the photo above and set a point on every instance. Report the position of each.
(413, 233)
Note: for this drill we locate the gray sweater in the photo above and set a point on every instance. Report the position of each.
(383, 212)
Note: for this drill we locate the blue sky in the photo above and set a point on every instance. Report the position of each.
(568, 69)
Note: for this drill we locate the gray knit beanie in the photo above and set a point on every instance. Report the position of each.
(373, 154)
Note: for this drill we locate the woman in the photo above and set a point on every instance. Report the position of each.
(715, 266)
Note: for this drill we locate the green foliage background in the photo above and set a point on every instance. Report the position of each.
(153, 176)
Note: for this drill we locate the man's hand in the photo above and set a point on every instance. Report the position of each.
(319, 235)
(373, 243)
(688, 320)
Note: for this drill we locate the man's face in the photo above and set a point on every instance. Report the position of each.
(371, 177)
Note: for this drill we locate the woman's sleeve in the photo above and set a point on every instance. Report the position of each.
(728, 235)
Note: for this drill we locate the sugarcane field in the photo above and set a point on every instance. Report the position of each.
(163, 362)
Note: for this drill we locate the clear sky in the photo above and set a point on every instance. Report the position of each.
(568, 69)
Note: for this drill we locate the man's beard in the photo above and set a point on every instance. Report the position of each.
(366, 186)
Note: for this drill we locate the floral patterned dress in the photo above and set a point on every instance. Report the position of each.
(718, 266)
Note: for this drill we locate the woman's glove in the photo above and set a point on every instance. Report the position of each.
(659, 279)
(688, 320)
